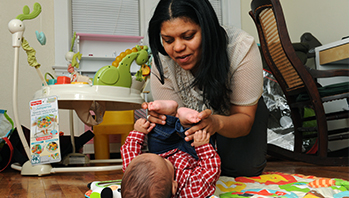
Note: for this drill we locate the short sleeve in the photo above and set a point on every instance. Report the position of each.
(246, 68)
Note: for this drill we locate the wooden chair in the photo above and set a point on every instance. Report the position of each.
(299, 84)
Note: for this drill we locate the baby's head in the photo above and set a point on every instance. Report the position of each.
(149, 175)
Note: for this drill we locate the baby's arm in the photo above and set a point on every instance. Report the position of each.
(201, 138)
(131, 148)
(166, 107)
(207, 170)
(143, 125)
(187, 116)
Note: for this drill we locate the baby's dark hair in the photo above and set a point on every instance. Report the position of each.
(144, 180)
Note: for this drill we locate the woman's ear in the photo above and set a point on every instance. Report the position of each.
(174, 187)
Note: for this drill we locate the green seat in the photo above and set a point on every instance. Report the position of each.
(328, 90)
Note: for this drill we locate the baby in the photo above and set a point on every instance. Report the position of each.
(174, 172)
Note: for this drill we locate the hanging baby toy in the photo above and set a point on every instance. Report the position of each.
(73, 60)
(40, 36)
(16, 27)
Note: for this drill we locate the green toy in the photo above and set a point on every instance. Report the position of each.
(121, 75)
(26, 12)
(139, 76)
(73, 58)
(31, 58)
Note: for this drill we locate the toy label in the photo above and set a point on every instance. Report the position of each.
(44, 131)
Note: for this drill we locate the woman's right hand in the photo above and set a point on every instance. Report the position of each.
(209, 124)
(153, 116)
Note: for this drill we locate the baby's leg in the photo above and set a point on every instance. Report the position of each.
(187, 116)
(166, 107)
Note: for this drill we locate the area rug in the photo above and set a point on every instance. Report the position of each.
(276, 184)
(269, 184)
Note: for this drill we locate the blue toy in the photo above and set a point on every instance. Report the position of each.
(41, 37)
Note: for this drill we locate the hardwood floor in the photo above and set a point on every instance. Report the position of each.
(69, 185)
(74, 185)
(292, 167)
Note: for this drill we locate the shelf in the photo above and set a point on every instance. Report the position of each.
(104, 49)
(335, 55)
(98, 58)
(332, 54)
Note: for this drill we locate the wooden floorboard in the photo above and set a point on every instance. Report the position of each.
(292, 167)
(74, 185)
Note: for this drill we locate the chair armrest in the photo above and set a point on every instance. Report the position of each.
(327, 73)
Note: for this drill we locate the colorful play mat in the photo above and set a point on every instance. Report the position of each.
(275, 184)
(270, 184)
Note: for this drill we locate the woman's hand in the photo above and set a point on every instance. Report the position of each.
(153, 116)
(208, 124)
(237, 124)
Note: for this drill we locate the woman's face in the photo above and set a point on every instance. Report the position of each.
(181, 39)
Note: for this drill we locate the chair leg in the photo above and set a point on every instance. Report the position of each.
(298, 136)
(101, 146)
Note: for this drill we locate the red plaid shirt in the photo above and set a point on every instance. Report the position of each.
(196, 178)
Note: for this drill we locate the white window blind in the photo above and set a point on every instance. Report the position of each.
(217, 6)
(115, 17)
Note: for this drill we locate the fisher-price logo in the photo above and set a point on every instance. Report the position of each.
(34, 103)
(44, 138)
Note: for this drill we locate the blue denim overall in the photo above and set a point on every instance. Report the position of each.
(170, 136)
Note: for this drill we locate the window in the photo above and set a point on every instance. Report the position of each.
(230, 15)
(115, 17)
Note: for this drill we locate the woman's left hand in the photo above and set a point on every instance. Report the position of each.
(208, 124)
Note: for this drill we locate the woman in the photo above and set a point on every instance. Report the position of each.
(205, 67)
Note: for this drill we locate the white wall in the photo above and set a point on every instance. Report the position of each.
(327, 20)
(29, 81)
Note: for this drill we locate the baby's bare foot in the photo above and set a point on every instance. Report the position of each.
(166, 107)
(188, 116)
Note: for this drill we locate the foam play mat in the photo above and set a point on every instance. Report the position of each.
(269, 184)
(276, 184)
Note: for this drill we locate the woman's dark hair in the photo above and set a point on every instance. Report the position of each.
(213, 69)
